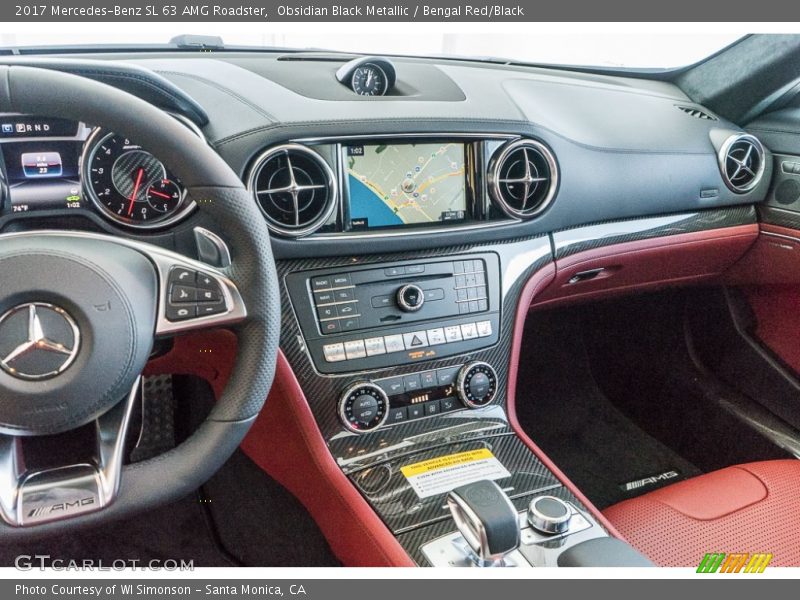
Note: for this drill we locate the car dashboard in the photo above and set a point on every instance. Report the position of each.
(413, 230)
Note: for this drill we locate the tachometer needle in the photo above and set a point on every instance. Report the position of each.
(139, 175)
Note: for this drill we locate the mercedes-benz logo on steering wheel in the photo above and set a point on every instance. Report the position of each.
(37, 341)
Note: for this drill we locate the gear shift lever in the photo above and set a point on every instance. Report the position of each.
(487, 520)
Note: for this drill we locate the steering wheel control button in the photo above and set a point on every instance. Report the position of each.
(206, 282)
(208, 295)
(410, 298)
(476, 384)
(549, 515)
(182, 293)
(181, 276)
(204, 310)
(180, 312)
(363, 407)
(193, 294)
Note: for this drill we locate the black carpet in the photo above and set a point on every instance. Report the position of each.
(260, 523)
(178, 531)
(561, 407)
(240, 517)
(642, 361)
(612, 392)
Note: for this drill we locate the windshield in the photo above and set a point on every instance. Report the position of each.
(648, 51)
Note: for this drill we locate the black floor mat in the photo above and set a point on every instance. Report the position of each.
(241, 517)
(642, 361)
(612, 392)
(178, 531)
(563, 410)
(260, 523)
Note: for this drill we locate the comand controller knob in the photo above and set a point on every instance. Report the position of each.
(363, 407)
(549, 515)
(476, 384)
(410, 298)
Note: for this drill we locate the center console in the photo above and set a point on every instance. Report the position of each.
(404, 361)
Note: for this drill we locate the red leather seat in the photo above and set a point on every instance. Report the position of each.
(746, 508)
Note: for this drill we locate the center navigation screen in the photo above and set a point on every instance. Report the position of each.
(392, 185)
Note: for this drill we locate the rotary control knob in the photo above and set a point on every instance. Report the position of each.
(410, 298)
(549, 515)
(476, 384)
(363, 407)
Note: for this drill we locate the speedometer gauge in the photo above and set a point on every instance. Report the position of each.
(129, 184)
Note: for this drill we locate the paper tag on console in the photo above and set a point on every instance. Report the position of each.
(443, 473)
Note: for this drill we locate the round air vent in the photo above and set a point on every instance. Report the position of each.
(523, 178)
(295, 188)
(741, 160)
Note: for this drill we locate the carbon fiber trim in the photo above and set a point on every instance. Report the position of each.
(388, 491)
(518, 259)
(779, 216)
(571, 241)
(413, 540)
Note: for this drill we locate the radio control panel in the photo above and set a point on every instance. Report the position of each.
(363, 317)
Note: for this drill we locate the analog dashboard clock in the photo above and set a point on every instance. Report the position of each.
(369, 80)
(368, 76)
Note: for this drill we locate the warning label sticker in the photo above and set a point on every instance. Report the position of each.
(443, 473)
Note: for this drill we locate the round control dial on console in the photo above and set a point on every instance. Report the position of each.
(363, 407)
(476, 384)
(410, 298)
(549, 515)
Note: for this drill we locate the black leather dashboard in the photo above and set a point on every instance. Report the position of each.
(626, 148)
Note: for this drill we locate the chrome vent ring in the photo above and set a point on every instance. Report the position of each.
(742, 162)
(295, 189)
(523, 178)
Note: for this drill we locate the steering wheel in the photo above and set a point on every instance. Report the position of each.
(79, 313)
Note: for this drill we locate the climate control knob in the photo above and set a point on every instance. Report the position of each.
(476, 384)
(410, 298)
(363, 407)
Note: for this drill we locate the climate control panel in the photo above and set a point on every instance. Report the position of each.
(367, 405)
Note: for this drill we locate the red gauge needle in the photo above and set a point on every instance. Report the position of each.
(155, 193)
(139, 175)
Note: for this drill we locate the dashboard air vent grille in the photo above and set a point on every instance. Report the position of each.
(697, 113)
(295, 189)
(523, 178)
(741, 161)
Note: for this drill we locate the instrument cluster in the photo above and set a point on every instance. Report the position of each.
(57, 165)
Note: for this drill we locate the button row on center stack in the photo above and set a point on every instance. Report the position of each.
(413, 340)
